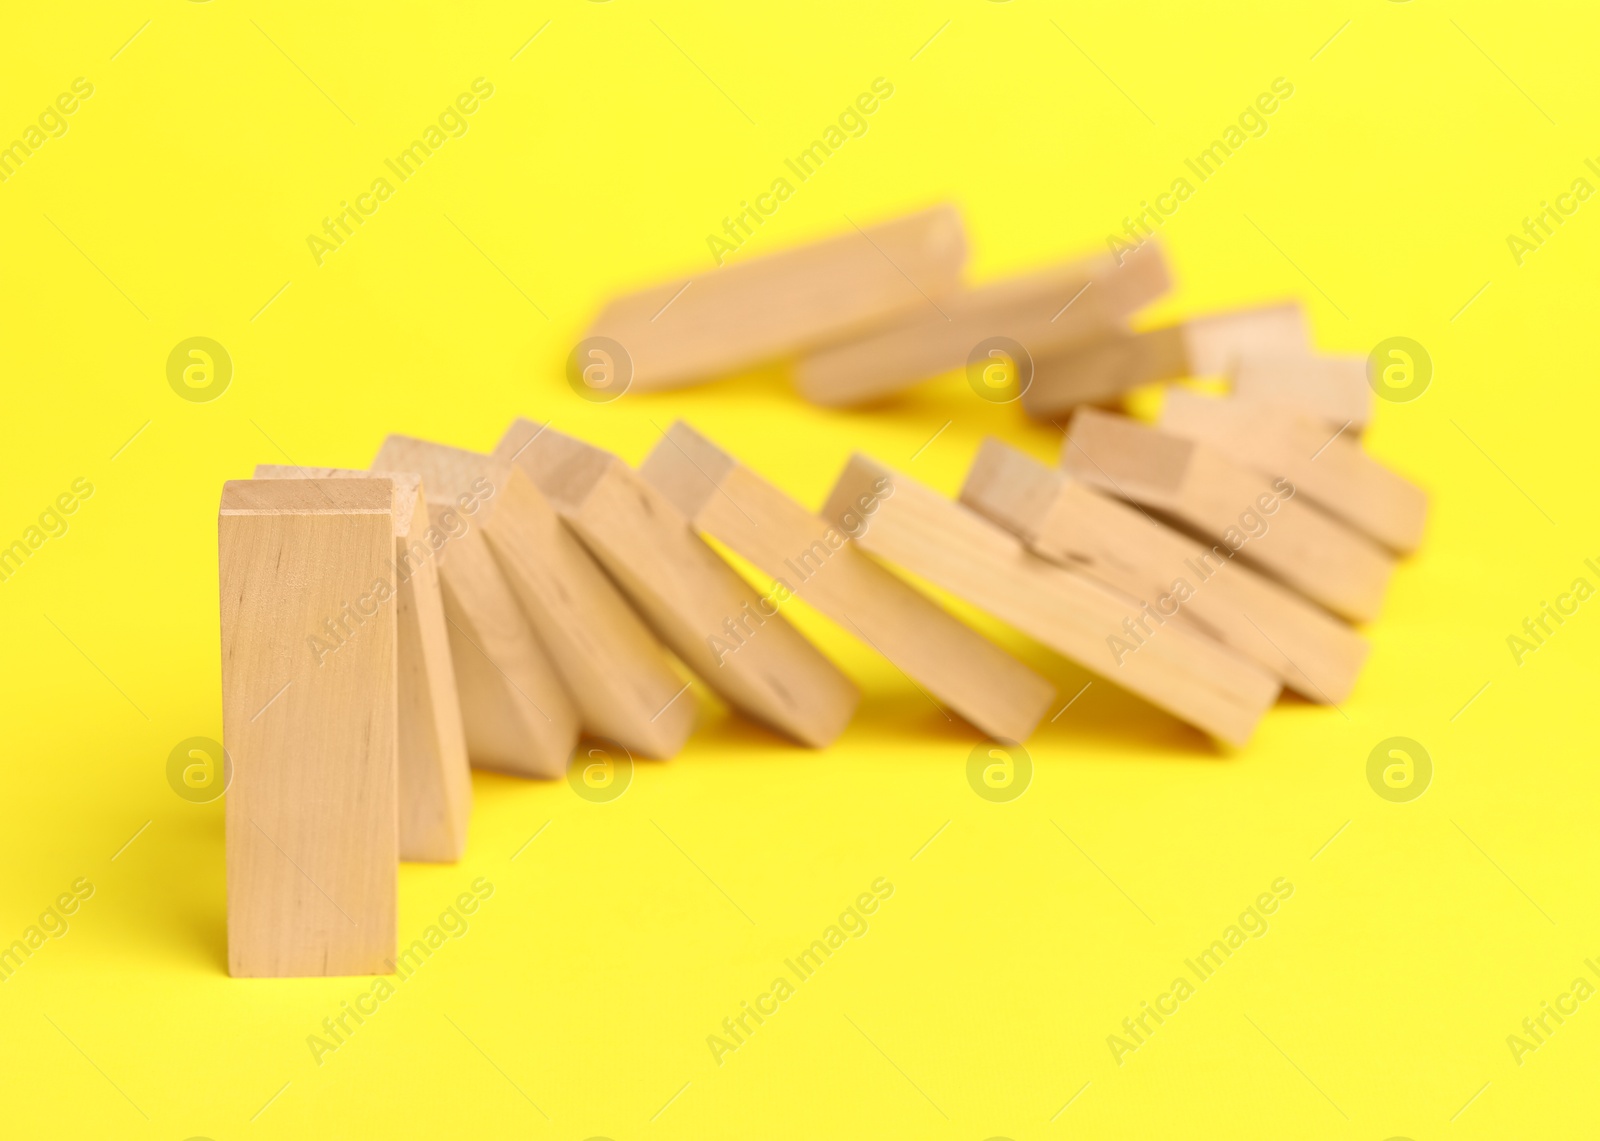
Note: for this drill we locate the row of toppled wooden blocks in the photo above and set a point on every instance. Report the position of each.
(380, 628)
(871, 313)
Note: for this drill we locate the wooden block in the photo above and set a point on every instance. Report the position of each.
(1332, 388)
(1043, 311)
(1270, 526)
(693, 600)
(435, 784)
(817, 562)
(1201, 346)
(312, 835)
(518, 716)
(704, 326)
(1191, 677)
(1068, 522)
(1329, 467)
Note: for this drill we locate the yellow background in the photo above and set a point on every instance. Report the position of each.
(178, 204)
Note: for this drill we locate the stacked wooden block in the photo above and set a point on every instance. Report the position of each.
(384, 629)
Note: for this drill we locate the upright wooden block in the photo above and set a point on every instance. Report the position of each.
(736, 641)
(518, 716)
(435, 785)
(817, 562)
(1201, 346)
(312, 833)
(1262, 519)
(1070, 523)
(1329, 466)
(1333, 389)
(757, 309)
(1043, 311)
(1191, 677)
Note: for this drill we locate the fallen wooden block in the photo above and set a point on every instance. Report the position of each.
(616, 672)
(312, 843)
(1043, 311)
(706, 325)
(1068, 522)
(736, 641)
(813, 560)
(1332, 388)
(518, 716)
(1191, 677)
(1260, 518)
(1329, 468)
(1200, 346)
(435, 784)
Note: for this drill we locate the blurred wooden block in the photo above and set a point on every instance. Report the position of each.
(1332, 388)
(1070, 523)
(817, 562)
(518, 716)
(1215, 497)
(1329, 467)
(1043, 311)
(757, 309)
(312, 837)
(1191, 677)
(435, 784)
(693, 600)
(1200, 346)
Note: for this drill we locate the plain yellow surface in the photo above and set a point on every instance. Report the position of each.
(579, 999)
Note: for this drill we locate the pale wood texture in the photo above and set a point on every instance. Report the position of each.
(816, 561)
(1221, 500)
(1332, 388)
(1188, 675)
(755, 309)
(693, 600)
(1200, 346)
(518, 716)
(312, 832)
(435, 784)
(1071, 523)
(1328, 466)
(1043, 311)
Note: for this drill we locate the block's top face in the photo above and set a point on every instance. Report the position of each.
(308, 497)
(566, 469)
(1011, 487)
(447, 473)
(407, 486)
(1116, 452)
(687, 468)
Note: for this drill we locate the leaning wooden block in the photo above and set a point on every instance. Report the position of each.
(1332, 388)
(1210, 494)
(435, 784)
(704, 326)
(735, 640)
(1331, 468)
(1043, 311)
(1200, 346)
(817, 562)
(1102, 630)
(312, 842)
(1070, 523)
(518, 717)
